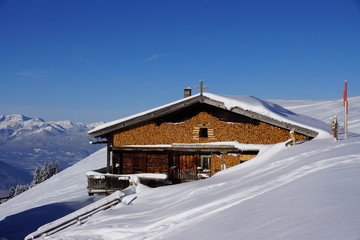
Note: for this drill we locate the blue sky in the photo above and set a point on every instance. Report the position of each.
(102, 60)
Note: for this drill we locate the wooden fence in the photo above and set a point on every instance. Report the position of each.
(106, 184)
(188, 175)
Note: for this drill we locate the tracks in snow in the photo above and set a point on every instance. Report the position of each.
(163, 226)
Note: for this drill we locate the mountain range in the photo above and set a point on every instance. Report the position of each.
(26, 143)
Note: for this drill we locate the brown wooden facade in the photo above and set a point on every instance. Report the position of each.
(195, 125)
(176, 140)
(179, 166)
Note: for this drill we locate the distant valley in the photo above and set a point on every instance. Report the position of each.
(26, 143)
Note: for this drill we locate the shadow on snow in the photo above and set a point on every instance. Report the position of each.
(19, 225)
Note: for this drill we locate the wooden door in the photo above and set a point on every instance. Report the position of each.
(187, 168)
(188, 162)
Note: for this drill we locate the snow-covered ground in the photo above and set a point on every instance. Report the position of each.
(310, 191)
(324, 110)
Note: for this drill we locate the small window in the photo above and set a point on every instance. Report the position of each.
(203, 133)
(205, 162)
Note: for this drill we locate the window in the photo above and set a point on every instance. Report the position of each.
(205, 162)
(203, 133)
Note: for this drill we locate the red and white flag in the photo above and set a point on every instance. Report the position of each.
(345, 102)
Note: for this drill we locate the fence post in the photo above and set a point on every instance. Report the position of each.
(334, 128)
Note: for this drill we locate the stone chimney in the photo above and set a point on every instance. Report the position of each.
(187, 92)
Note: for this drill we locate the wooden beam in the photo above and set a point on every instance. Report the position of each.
(141, 149)
(186, 148)
(108, 153)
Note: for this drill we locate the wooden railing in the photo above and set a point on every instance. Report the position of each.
(188, 175)
(102, 183)
(80, 216)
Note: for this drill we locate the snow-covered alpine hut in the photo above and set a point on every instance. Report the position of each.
(190, 139)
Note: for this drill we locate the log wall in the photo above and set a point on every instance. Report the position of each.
(251, 132)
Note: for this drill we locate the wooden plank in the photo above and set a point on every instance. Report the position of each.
(143, 148)
(108, 154)
(127, 163)
(180, 147)
(158, 163)
(139, 162)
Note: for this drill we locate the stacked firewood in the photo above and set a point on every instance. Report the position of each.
(250, 132)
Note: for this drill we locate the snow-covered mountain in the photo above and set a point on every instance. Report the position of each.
(310, 191)
(26, 143)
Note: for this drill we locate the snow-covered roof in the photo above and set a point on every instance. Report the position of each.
(250, 106)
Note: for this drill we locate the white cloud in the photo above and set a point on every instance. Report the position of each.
(156, 56)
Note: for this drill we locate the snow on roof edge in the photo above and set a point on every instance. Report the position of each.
(111, 123)
(249, 103)
(240, 146)
(274, 111)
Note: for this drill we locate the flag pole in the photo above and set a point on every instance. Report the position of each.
(346, 109)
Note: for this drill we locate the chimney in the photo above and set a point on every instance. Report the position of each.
(187, 92)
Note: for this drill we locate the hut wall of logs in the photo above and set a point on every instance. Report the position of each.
(203, 128)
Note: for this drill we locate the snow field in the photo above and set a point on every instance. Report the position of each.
(310, 191)
(200, 209)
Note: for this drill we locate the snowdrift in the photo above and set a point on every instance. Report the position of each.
(311, 191)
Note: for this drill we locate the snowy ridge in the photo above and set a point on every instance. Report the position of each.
(333, 108)
(17, 125)
(310, 191)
